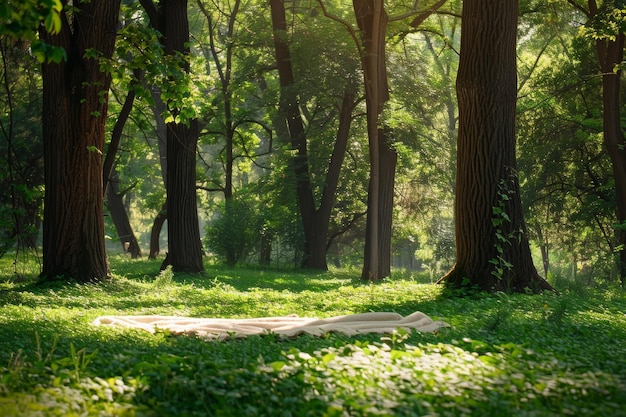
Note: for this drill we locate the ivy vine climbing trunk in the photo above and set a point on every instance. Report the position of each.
(75, 101)
(492, 248)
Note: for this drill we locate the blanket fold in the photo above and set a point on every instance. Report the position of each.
(287, 326)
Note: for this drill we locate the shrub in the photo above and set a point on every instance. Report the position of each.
(234, 232)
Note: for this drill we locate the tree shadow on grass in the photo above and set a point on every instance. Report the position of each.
(182, 375)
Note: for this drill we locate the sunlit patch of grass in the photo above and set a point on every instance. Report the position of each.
(503, 354)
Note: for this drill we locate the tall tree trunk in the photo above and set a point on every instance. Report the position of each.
(372, 21)
(224, 71)
(75, 99)
(119, 215)
(388, 159)
(611, 54)
(492, 246)
(317, 238)
(116, 135)
(183, 228)
(315, 220)
(290, 112)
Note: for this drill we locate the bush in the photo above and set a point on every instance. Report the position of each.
(234, 232)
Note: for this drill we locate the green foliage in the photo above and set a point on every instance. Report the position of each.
(21, 20)
(422, 115)
(503, 355)
(607, 23)
(234, 231)
(21, 149)
(566, 182)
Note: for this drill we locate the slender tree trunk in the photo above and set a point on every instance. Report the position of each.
(119, 215)
(155, 232)
(492, 246)
(388, 159)
(117, 208)
(290, 112)
(224, 70)
(315, 220)
(75, 99)
(317, 237)
(161, 132)
(372, 21)
(116, 135)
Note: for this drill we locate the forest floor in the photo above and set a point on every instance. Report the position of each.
(503, 355)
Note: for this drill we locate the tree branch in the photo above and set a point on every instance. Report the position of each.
(345, 24)
(422, 16)
(153, 13)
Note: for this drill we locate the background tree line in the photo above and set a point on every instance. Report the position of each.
(303, 133)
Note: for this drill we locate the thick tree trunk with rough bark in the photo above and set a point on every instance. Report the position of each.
(75, 99)
(183, 228)
(492, 247)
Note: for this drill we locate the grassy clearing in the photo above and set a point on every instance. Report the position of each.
(519, 355)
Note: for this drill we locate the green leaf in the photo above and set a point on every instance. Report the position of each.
(94, 149)
(328, 358)
(278, 365)
(53, 23)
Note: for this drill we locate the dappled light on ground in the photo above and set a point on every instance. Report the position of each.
(503, 354)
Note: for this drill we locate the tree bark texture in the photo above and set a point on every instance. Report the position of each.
(610, 54)
(490, 231)
(75, 100)
(388, 160)
(183, 228)
(372, 21)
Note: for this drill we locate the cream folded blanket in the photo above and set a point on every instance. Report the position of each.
(215, 328)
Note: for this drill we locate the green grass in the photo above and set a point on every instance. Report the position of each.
(545, 355)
